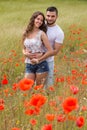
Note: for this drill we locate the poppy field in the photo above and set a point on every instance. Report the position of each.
(25, 106)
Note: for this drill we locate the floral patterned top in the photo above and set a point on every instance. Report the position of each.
(34, 45)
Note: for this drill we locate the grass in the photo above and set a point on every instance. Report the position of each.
(70, 65)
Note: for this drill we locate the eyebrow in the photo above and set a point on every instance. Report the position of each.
(51, 15)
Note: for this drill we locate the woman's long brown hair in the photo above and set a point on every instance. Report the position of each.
(30, 26)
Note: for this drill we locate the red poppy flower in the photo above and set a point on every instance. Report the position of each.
(71, 117)
(52, 103)
(50, 117)
(61, 79)
(4, 81)
(25, 84)
(1, 107)
(84, 80)
(1, 101)
(33, 122)
(29, 112)
(74, 89)
(26, 104)
(61, 118)
(47, 127)
(15, 86)
(15, 128)
(16, 64)
(38, 87)
(51, 88)
(34, 111)
(37, 100)
(74, 71)
(84, 108)
(70, 104)
(80, 121)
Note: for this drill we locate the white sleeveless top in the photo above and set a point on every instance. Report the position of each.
(34, 45)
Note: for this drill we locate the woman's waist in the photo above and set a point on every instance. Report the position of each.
(27, 60)
(37, 54)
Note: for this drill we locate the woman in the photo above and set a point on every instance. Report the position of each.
(34, 39)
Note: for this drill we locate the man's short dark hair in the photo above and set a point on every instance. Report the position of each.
(52, 9)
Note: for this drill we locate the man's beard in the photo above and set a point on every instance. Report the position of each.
(51, 23)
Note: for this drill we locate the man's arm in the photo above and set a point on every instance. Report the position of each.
(57, 48)
(55, 51)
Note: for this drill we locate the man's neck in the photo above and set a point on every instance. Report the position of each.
(51, 25)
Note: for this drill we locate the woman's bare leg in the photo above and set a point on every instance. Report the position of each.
(30, 76)
(41, 78)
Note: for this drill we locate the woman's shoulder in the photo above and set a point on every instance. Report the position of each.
(42, 32)
(43, 35)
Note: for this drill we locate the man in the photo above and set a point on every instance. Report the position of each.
(56, 36)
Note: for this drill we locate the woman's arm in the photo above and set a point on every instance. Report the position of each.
(48, 46)
(49, 52)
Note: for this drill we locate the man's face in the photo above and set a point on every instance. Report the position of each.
(51, 17)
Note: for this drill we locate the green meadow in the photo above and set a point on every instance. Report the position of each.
(70, 68)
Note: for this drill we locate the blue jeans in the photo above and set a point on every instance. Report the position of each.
(50, 77)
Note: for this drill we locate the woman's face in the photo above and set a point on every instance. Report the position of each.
(38, 21)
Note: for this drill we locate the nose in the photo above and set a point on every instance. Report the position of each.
(40, 21)
(50, 18)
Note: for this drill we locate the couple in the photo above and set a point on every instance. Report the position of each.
(42, 40)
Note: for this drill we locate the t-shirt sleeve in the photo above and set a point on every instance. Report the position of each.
(60, 38)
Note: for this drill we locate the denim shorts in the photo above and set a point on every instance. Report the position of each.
(37, 68)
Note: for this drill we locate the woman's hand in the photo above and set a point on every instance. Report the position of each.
(31, 55)
(34, 61)
(28, 54)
